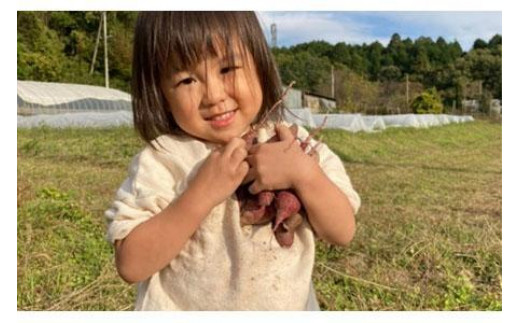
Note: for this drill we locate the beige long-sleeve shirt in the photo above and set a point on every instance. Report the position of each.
(223, 266)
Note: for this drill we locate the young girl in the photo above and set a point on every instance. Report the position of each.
(200, 81)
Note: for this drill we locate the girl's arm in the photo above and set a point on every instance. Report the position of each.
(328, 208)
(152, 245)
(284, 165)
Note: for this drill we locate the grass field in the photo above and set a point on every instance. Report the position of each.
(429, 231)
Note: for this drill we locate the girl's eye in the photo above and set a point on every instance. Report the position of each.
(186, 81)
(228, 69)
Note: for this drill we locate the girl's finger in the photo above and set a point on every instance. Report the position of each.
(254, 148)
(232, 145)
(294, 130)
(284, 133)
(249, 176)
(243, 170)
(238, 155)
(250, 159)
(255, 188)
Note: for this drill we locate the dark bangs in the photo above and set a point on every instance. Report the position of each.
(165, 41)
(192, 37)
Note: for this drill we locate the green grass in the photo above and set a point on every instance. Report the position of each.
(428, 232)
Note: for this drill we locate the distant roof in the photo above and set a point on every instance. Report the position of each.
(48, 93)
(319, 96)
(311, 94)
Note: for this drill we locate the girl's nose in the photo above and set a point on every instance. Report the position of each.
(215, 91)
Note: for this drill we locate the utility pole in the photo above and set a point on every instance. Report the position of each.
(482, 103)
(96, 47)
(407, 93)
(107, 82)
(332, 81)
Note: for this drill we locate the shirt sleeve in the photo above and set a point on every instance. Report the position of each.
(147, 190)
(335, 170)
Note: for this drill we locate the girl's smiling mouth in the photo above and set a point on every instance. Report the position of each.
(222, 120)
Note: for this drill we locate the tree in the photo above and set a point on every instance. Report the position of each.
(454, 51)
(495, 42)
(421, 64)
(316, 47)
(354, 93)
(440, 55)
(39, 55)
(422, 53)
(375, 57)
(357, 62)
(57, 46)
(480, 44)
(341, 53)
(399, 52)
(310, 72)
(390, 73)
(486, 67)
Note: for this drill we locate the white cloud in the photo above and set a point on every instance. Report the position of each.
(299, 27)
(465, 27)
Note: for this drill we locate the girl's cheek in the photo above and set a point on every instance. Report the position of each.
(238, 82)
(194, 98)
(186, 99)
(232, 87)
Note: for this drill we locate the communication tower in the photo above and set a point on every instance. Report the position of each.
(273, 35)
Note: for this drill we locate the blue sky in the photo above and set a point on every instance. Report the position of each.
(366, 27)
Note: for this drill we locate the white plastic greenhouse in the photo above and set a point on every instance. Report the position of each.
(74, 105)
(401, 120)
(302, 117)
(349, 122)
(374, 123)
(77, 119)
(359, 122)
(50, 98)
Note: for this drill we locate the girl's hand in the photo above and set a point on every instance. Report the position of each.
(279, 165)
(221, 173)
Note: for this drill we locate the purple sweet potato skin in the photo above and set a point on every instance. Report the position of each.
(284, 237)
(287, 204)
(284, 234)
(265, 198)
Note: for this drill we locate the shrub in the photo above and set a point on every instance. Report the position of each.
(428, 101)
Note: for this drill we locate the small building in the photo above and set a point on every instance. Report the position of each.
(495, 107)
(470, 106)
(474, 106)
(293, 98)
(297, 99)
(319, 103)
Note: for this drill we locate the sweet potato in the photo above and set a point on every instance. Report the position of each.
(285, 213)
(286, 204)
(292, 222)
(259, 209)
(284, 237)
(265, 198)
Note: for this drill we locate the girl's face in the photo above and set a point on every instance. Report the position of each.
(215, 101)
